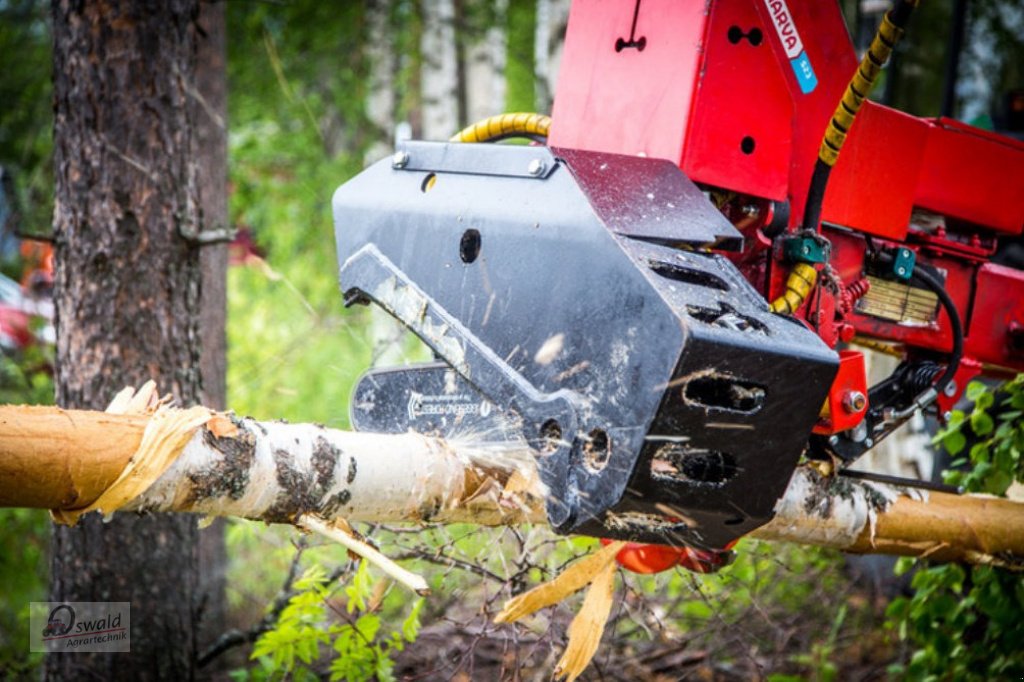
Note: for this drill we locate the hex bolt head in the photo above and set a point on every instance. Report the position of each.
(536, 167)
(854, 401)
(950, 389)
(400, 159)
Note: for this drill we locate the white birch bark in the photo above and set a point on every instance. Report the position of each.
(276, 472)
(380, 100)
(439, 75)
(549, 38)
(485, 71)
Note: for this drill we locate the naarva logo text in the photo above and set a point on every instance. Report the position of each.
(785, 28)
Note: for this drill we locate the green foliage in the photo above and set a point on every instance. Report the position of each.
(994, 430)
(313, 626)
(26, 378)
(298, 76)
(520, 93)
(26, 138)
(965, 623)
(24, 572)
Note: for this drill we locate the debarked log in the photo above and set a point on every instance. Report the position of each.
(70, 461)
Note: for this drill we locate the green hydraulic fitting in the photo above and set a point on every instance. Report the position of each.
(903, 263)
(803, 250)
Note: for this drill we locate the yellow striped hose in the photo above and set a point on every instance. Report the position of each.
(801, 279)
(798, 285)
(860, 85)
(501, 126)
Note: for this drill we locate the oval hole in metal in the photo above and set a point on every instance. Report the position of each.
(681, 273)
(551, 436)
(428, 182)
(597, 449)
(469, 245)
(724, 393)
(678, 463)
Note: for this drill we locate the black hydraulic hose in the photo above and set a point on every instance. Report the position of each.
(957, 353)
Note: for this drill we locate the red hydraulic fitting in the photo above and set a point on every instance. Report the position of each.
(642, 558)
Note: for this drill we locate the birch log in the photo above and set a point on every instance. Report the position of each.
(278, 472)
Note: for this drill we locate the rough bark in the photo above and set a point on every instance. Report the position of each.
(209, 104)
(280, 473)
(127, 298)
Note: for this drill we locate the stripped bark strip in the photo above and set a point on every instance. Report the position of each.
(275, 472)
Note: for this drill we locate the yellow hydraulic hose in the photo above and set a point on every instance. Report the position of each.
(501, 126)
(798, 285)
(801, 279)
(860, 85)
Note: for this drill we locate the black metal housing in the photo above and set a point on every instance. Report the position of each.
(576, 291)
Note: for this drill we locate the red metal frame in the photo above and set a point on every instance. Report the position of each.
(715, 89)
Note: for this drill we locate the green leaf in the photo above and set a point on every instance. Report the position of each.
(359, 588)
(975, 390)
(981, 423)
(984, 401)
(411, 624)
(312, 577)
(954, 442)
(368, 625)
(904, 564)
(979, 452)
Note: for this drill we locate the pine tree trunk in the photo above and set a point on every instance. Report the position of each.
(209, 104)
(127, 298)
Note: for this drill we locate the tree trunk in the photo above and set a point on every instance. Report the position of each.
(127, 299)
(209, 105)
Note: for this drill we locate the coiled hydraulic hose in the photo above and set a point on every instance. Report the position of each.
(798, 285)
(889, 33)
(504, 126)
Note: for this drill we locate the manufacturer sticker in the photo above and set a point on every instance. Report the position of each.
(789, 37)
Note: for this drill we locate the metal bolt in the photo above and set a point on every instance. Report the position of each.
(833, 441)
(950, 389)
(854, 401)
(751, 210)
(807, 249)
(901, 271)
(946, 416)
(536, 167)
(400, 159)
(869, 443)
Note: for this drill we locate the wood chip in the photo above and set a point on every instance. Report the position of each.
(571, 580)
(587, 627)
